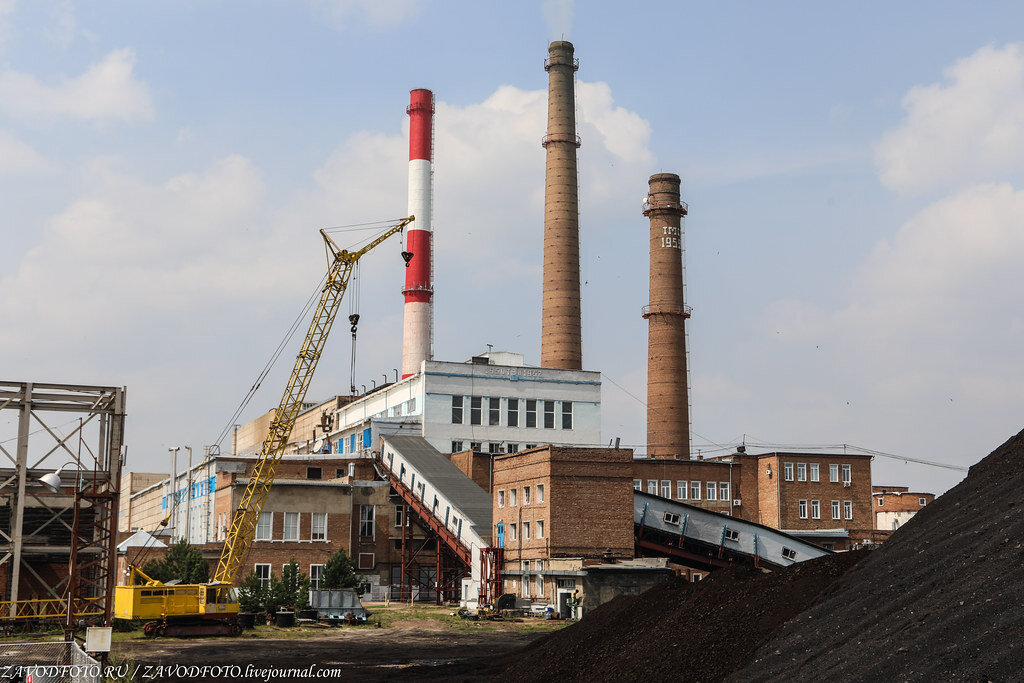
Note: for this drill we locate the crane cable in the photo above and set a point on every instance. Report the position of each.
(313, 298)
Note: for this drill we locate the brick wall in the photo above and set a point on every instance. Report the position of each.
(688, 471)
(476, 466)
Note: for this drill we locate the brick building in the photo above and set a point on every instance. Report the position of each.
(894, 506)
(557, 509)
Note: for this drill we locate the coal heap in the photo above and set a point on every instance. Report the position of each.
(679, 630)
(941, 599)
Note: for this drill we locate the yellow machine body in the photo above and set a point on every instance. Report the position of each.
(185, 600)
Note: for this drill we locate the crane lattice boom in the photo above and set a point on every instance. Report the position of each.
(243, 523)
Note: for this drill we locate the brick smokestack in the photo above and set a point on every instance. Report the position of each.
(560, 343)
(668, 408)
(418, 326)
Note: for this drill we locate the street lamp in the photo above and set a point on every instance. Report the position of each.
(51, 480)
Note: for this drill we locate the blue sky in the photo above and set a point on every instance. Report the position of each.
(852, 172)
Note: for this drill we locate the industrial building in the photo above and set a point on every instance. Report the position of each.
(466, 480)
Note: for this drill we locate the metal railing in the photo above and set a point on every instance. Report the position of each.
(60, 661)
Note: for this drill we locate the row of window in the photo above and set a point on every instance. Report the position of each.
(292, 526)
(355, 442)
(686, 490)
(529, 530)
(803, 471)
(537, 581)
(199, 489)
(920, 501)
(815, 509)
(406, 408)
(486, 410)
(316, 571)
(489, 447)
(513, 496)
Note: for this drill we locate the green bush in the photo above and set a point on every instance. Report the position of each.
(183, 562)
(339, 572)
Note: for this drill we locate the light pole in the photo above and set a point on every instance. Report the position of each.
(174, 490)
(188, 497)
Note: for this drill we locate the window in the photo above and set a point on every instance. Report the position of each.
(712, 490)
(732, 534)
(922, 502)
(526, 495)
(494, 411)
(566, 414)
(848, 509)
(263, 574)
(723, 490)
(513, 497)
(456, 410)
(835, 509)
(501, 498)
(511, 532)
(526, 531)
(291, 526)
(531, 412)
(540, 494)
(475, 409)
(803, 509)
(513, 412)
(881, 501)
(565, 583)
(366, 521)
(787, 469)
(694, 490)
(366, 561)
(814, 471)
(833, 473)
(316, 575)
(549, 414)
(788, 553)
(540, 582)
(475, 446)
(340, 471)
(681, 490)
(494, 447)
(638, 484)
(264, 527)
(666, 488)
(540, 528)
(828, 546)
(847, 477)
(652, 486)
(399, 515)
(512, 448)
(815, 509)
(672, 518)
(801, 471)
(456, 446)
(319, 526)
(530, 446)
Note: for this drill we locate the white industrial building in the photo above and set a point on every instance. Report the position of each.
(493, 403)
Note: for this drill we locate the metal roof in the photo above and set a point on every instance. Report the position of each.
(473, 501)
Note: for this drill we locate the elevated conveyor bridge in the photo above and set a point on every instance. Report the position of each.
(454, 510)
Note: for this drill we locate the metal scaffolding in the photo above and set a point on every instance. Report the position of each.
(57, 548)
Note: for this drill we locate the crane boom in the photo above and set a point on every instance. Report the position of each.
(243, 523)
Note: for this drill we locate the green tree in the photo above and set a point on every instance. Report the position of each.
(251, 594)
(339, 572)
(294, 585)
(183, 562)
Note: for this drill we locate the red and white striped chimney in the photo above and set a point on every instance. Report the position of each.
(419, 284)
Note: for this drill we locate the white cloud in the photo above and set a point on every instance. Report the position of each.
(375, 13)
(968, 129)
(558, 15)
(107, 90)
(18, 158)
(6, 10)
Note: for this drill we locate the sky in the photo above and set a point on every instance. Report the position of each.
(854, 172)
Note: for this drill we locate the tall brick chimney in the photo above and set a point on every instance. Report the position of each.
(668, 409)
(560, 344)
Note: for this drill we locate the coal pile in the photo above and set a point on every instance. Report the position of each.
(942, 599)
(679, 630)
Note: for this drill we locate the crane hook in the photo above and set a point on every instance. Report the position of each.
(407, 255)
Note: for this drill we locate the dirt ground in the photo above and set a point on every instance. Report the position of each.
(423, 645)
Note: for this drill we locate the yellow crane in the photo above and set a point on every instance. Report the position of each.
(207, 609)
